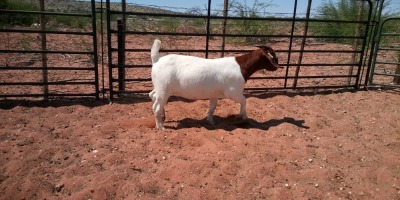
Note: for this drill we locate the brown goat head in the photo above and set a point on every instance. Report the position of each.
(271, 58)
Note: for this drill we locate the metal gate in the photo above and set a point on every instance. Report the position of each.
(30, 56)
(307, 58)
(385, 65)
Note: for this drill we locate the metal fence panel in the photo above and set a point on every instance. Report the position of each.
(385, 65)
(48, 60)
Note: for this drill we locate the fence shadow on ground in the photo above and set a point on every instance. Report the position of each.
(9, 103)
(232, 122)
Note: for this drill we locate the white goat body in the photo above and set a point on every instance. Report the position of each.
(195, 78)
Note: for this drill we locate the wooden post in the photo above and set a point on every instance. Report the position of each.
(44, 48)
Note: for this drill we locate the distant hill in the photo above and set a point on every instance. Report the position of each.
(78, 5)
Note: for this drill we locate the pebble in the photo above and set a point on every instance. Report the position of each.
(58, 187)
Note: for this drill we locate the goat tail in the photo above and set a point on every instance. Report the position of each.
(155, 51)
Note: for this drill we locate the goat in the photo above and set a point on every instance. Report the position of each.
(198, 78)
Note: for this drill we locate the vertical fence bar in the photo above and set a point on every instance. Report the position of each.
(102, 48)
(375, 42)
(109, 46)
(121, 56)
(224, 27)
(356, 43)
(290, 43)
(364, 46)
(365, 39)
(44, 48)
(95, 55)
(303, 43)
(208, 27)
(396, 79)
(123, 8)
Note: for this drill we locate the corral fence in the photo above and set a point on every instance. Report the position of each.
(35, 63)
(309, 61)
(312, 58)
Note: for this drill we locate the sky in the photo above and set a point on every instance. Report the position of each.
(279, 7)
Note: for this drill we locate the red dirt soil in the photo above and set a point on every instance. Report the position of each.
(296, 144)
(340, 145)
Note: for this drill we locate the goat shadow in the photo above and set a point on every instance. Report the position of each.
(232, 122)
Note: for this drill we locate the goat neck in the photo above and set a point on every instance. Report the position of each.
(251, 62)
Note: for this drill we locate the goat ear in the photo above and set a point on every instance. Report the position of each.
(273, 60)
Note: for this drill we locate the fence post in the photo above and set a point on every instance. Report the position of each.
(396, 79)
(44, 48)
(224, 27)
(356, 43)
(95, 55)
(303, 43)
(208, 27)
(121, 56)
(374, 43)
(290, 43)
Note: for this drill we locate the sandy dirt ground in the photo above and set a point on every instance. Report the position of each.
(336, 144)
(296, 145)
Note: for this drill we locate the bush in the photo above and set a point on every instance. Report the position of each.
(70, 21)
(343, 10)
(250, 27)
(12, 19)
